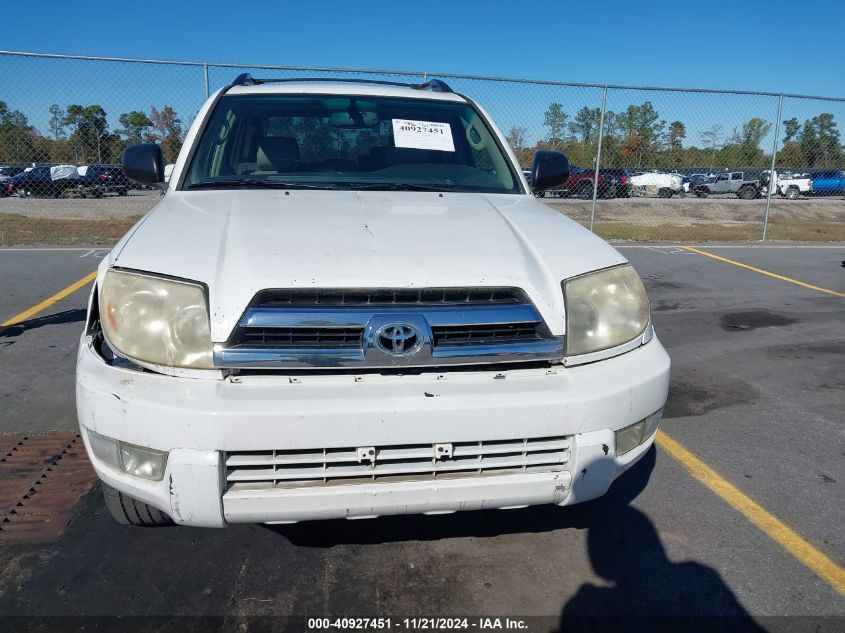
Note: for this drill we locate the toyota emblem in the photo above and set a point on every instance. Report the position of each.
(398, 339)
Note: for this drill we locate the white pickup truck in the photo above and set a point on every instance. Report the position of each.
(349, 304)
(787, 186)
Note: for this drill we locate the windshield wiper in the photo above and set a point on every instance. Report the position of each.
(405, 186)
(257, 183)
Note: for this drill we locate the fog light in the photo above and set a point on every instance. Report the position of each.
(105, 449)
(651, 423)
(142, 462)
(629, 438)
(133, 460)
(632, 436)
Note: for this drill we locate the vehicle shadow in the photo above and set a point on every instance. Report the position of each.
(643, 589)
(76, 315)
(487, 523)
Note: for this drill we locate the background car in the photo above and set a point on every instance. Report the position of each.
(612, 182)
(98, 180)
(658, 184)
(7, 172)
(828, 181)
(43, 180)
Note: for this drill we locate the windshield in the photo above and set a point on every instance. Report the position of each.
(348, 142)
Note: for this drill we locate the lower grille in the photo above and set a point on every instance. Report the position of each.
(410, 462)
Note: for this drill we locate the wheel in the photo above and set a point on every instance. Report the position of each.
(129, 511)
(702, 193)
(21, 193)
(792, 193)
(664, 192)
(123, 192)
(747, 193)
(98, 192)
(584, 192)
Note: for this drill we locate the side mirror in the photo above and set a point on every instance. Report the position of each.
(549, 169)
(144, 163)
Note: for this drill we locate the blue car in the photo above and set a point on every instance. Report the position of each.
(828, 181)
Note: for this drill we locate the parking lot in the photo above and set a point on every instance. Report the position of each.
(736, 514)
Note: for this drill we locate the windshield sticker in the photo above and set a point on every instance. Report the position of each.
(423, 135)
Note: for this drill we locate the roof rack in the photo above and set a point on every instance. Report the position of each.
(435, 85)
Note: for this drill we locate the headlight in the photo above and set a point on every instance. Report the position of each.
(156, 320)
(604, 309)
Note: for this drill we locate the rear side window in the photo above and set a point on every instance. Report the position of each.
(736, 176)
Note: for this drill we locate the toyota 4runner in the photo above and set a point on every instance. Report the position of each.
(350, 304)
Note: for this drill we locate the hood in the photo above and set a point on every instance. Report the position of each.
(238, 243)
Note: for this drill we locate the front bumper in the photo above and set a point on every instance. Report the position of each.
(197, 421)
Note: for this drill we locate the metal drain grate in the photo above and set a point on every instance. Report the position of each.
(42, 478)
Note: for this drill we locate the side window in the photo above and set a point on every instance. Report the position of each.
(736, 176)
(721, 177)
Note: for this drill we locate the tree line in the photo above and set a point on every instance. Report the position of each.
(639, 138)
(634, 138)
(80, 134)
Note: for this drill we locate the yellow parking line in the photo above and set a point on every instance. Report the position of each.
(834, 293)
(61, 294)
(773, 527)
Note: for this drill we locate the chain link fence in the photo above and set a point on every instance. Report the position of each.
(648, 163)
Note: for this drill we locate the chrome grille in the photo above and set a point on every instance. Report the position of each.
(336, 466)
(340, 328)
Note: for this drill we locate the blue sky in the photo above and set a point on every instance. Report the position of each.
(751, 45)
(754, 44)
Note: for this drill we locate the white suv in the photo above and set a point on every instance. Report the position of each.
(349, 304)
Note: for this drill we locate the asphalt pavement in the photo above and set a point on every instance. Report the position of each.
(758, 394)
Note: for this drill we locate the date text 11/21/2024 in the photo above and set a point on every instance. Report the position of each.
(417, 624)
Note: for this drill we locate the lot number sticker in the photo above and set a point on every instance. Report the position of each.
(423, 135)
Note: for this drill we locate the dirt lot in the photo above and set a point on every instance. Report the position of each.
(714, 218)
(723, 218)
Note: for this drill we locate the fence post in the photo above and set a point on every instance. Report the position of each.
(598, 160)
(205, 73)
(772, 182)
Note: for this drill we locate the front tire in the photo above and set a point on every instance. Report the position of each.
(792, 193)
(585, 192)
(129, 511)
(664, 192)
(747, 193)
